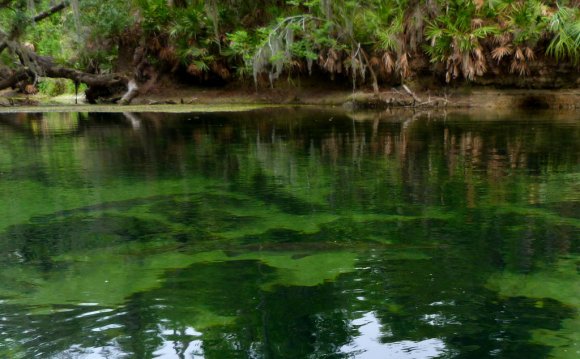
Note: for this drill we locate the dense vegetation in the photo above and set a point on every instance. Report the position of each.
(366, 42)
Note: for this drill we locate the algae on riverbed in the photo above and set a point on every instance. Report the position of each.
(276, 231)
(560, 282)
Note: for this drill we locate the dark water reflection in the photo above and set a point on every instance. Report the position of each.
(289, 234)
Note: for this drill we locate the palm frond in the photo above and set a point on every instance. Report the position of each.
(565, 25)
(500, 52)
(388, 63)
(485, 31)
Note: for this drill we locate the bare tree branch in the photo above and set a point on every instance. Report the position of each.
(43, 15)
(53, 10)
(411, 93)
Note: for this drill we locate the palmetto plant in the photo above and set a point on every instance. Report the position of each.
(455, 39)
(389, 39)
(368, 41)
(565, 25)
(525, 20)
(189, 36)
(523, 24)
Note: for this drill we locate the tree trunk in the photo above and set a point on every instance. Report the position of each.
(375, 81)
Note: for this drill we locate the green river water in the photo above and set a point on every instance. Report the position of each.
(289, 233)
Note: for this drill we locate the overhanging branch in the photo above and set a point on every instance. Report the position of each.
(53, 10)
(43, 15)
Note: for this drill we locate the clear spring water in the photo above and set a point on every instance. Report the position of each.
(288, 233)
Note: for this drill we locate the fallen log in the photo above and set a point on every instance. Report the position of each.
(100, 85)
(107, 80)
(34, 66)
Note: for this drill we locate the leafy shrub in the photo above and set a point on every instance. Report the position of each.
(57, 87)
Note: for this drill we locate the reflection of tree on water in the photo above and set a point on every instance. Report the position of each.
(459, 192)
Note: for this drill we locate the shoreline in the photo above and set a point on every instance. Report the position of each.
(228, 100)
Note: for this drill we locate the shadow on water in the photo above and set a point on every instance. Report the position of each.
(289, 233)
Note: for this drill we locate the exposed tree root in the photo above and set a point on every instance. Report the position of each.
(14, 78)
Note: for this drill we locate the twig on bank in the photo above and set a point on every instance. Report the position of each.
(411, 93)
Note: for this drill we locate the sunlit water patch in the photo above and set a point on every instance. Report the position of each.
(369, 344)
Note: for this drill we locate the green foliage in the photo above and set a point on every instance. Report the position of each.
(527, 21)
(389, 37)
(455, 39)
(341, 38)
(290, 37)
(155, 13)
(104, 26)
(55, 87)
(111, 18)
(50, 45)
(52, 87)
(242, 45)
(565, 24)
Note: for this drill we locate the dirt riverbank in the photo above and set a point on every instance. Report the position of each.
(464, 97)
